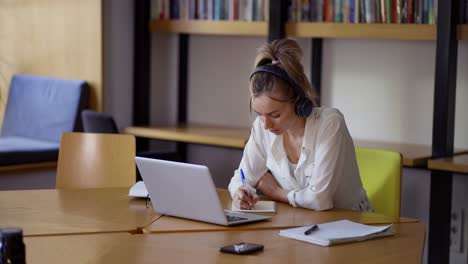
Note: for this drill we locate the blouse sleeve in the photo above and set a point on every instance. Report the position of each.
(330, 157)
(253, 161)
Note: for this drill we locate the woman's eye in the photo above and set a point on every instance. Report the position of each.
(275, 116)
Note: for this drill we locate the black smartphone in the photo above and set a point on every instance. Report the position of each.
(242, 248)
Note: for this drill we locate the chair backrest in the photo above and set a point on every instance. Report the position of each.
(380, 172)
(43, 107)
(97, 122)
(88, 160)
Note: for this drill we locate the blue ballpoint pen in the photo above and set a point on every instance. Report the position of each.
(243, 182)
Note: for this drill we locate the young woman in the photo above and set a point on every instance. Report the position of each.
(297, 153)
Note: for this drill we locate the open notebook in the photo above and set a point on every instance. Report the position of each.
(343, 231)
(260, 207)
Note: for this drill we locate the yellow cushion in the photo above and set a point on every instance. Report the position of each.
(380, 172)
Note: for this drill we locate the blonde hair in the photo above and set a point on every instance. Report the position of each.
(287, 54)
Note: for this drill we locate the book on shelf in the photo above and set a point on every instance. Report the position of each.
(337, 232)
(337, 11)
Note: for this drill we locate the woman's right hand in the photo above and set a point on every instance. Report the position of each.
(245, 199)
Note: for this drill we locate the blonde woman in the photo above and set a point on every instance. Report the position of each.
(297, 153)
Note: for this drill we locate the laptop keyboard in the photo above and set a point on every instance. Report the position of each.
(232, 218)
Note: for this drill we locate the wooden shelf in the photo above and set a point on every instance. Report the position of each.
(304, 29)
(195, 133)
(458, 163)
(462, 32)
(366, 31)
(210, 27)
(414, 155)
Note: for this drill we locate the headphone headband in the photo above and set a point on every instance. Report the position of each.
(280, 73)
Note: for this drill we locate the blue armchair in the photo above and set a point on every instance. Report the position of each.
(38, 111)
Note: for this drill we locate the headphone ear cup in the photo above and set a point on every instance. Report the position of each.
(303, 107)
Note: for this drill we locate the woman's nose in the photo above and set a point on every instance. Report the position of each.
(267, 123)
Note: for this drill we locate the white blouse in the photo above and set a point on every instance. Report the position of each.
(326, 174)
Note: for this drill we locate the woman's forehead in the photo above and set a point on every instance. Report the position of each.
(267, 101)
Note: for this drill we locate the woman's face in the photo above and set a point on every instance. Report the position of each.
(277, 115)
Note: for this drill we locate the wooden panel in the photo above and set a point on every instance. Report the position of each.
(458, 163)
(195, 133)
(211, 27)
(88, 160)
(55, 212)
(406, 246)
(285, 217)
(367, 31)
(54, 38)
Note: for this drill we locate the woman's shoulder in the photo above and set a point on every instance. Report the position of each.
(324, 114)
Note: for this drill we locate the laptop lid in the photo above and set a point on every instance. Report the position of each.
(185, 190)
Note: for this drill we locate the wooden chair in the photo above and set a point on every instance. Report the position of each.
(380, 172)
(88, 160)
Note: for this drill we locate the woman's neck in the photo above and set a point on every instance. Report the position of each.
(296, 131)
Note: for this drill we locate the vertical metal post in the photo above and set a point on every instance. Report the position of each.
(183, 89)
(141, 68)
(316, 66)
(278, 18)
(443, 131)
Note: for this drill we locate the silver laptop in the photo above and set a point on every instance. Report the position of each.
(187, 191)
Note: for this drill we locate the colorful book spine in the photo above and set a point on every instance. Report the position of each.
(261, 10)
(356, 11)
(383, 13)
(377, 7)
(254, 10)
(305, 16)
(431, 11)
(411, 11)
(368, 8)
(362, 11)
(267, 10)
(338, 11)
(352, 14)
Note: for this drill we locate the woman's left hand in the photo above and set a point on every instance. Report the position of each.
(270, 187)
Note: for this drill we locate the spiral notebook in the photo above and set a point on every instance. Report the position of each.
(338, 232)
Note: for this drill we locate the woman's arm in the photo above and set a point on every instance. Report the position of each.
(270, 187)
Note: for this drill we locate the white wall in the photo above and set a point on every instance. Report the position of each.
(118, 59)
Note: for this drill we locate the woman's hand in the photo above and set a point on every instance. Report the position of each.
(270, 187)
(245, 199)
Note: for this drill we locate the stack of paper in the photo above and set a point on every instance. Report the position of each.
(338, 232)
(138, 190)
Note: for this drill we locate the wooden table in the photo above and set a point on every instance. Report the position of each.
(285, 217)
(457, 163)
(405, 247)
(53, 212)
